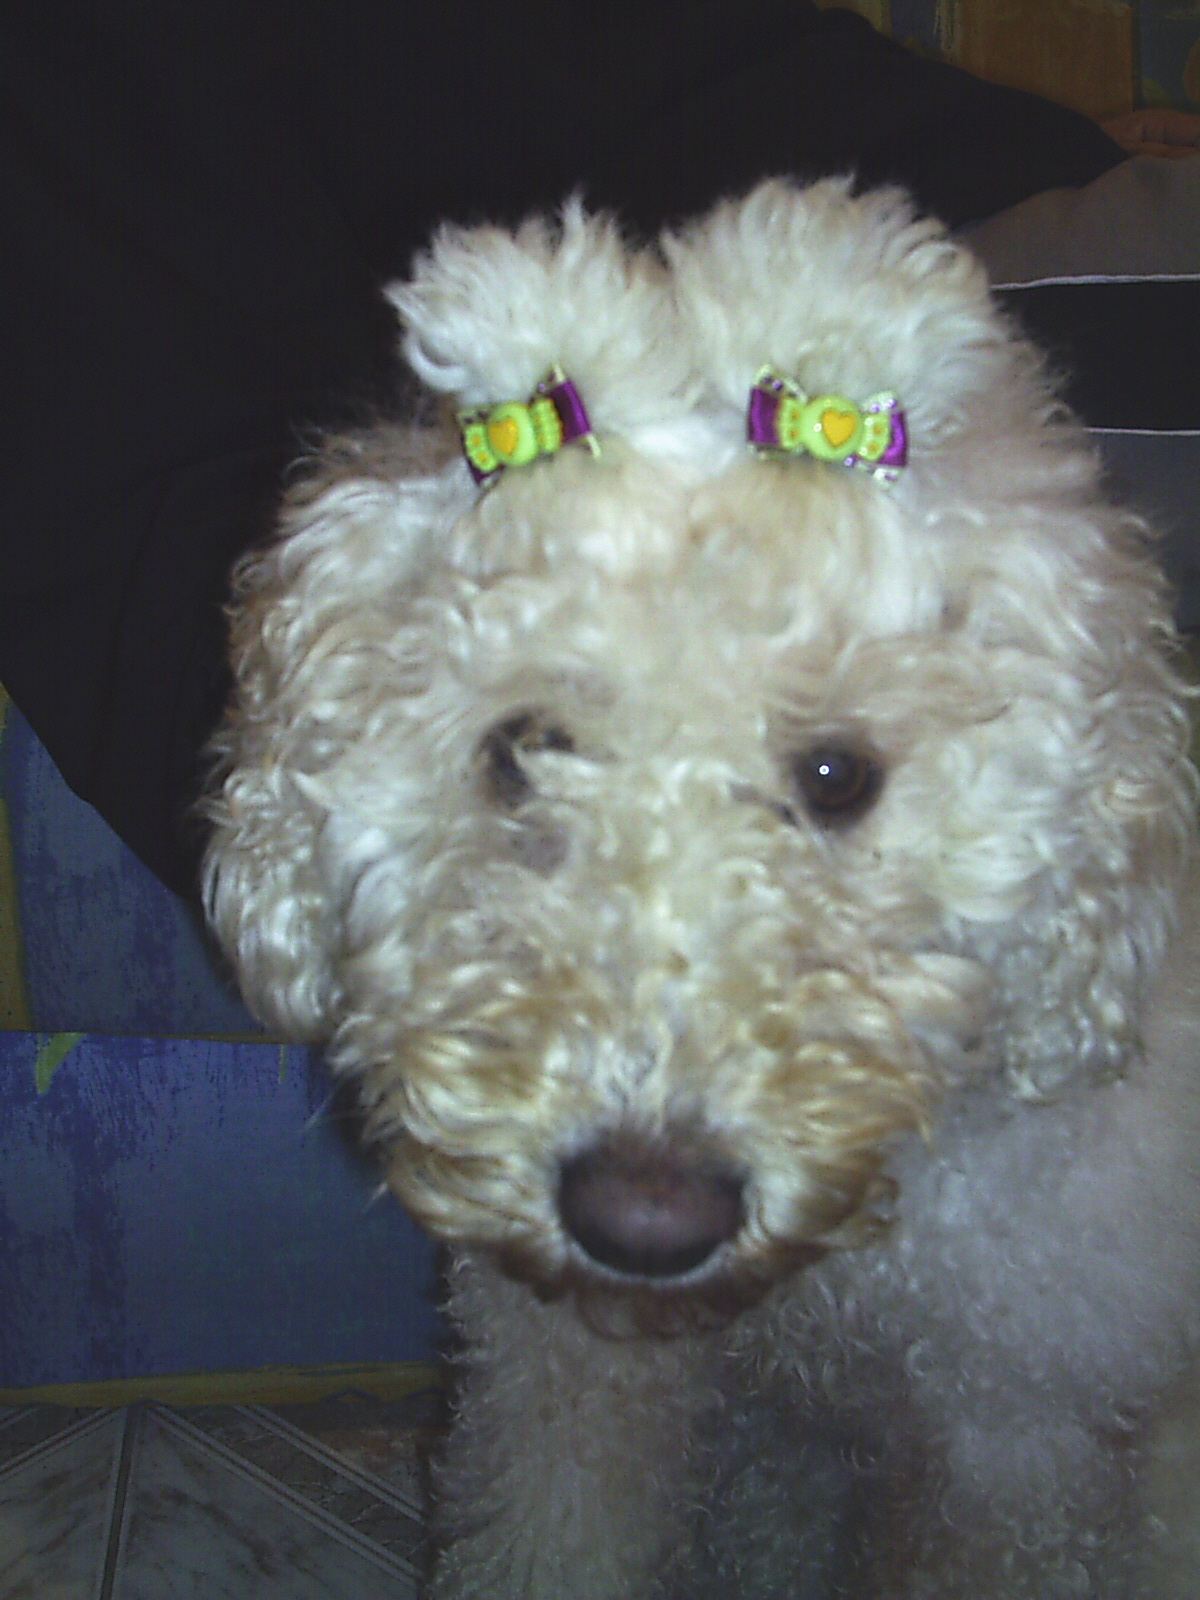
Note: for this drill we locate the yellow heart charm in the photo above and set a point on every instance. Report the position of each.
(503, 434)
(837, 426)
(833, 426)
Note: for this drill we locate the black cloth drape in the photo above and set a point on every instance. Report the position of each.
(201, 200)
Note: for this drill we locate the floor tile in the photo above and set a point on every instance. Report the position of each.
(293, 1457)
(202, 1522)
(55, 1508)
(219, 1502)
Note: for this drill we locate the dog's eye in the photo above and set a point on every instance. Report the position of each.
(837, 783)
(504, 749)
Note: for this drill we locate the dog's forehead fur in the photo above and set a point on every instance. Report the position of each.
(842, 293)
(764, 548)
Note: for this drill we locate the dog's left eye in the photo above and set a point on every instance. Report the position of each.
(503, 750)
(837, 783)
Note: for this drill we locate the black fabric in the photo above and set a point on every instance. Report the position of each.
(201, 200)
(1129, 348)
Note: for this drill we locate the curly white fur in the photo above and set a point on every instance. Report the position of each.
(509, 813)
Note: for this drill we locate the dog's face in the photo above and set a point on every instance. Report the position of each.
(658, 836)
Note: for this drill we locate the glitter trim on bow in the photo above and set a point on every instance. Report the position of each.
(782, 419)
(514, 433)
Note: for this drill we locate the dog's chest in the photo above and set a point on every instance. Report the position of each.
(1028, 1253)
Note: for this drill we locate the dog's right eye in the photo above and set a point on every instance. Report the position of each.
(838, 784)
(504, 750)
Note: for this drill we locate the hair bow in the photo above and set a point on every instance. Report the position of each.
(782, 419)
(514, 433)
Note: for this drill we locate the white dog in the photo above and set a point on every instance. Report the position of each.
(735, 828)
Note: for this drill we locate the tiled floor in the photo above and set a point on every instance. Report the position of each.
(319, 1502)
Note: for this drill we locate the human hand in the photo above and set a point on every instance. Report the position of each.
(1156, 131)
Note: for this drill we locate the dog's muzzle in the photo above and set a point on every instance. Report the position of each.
(648, 1210)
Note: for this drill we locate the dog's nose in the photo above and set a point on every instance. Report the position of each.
(646, 1211)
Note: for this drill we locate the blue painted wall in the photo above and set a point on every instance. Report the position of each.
(173, 1206)
(169, 1202)
(103, 946)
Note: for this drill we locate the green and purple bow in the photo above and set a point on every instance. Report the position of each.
(783, 420)
(516, 432)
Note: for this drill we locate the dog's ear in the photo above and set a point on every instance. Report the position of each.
(488, 311)
(318, 641)
(1082, 968)
(262, 891)
(263, 899)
